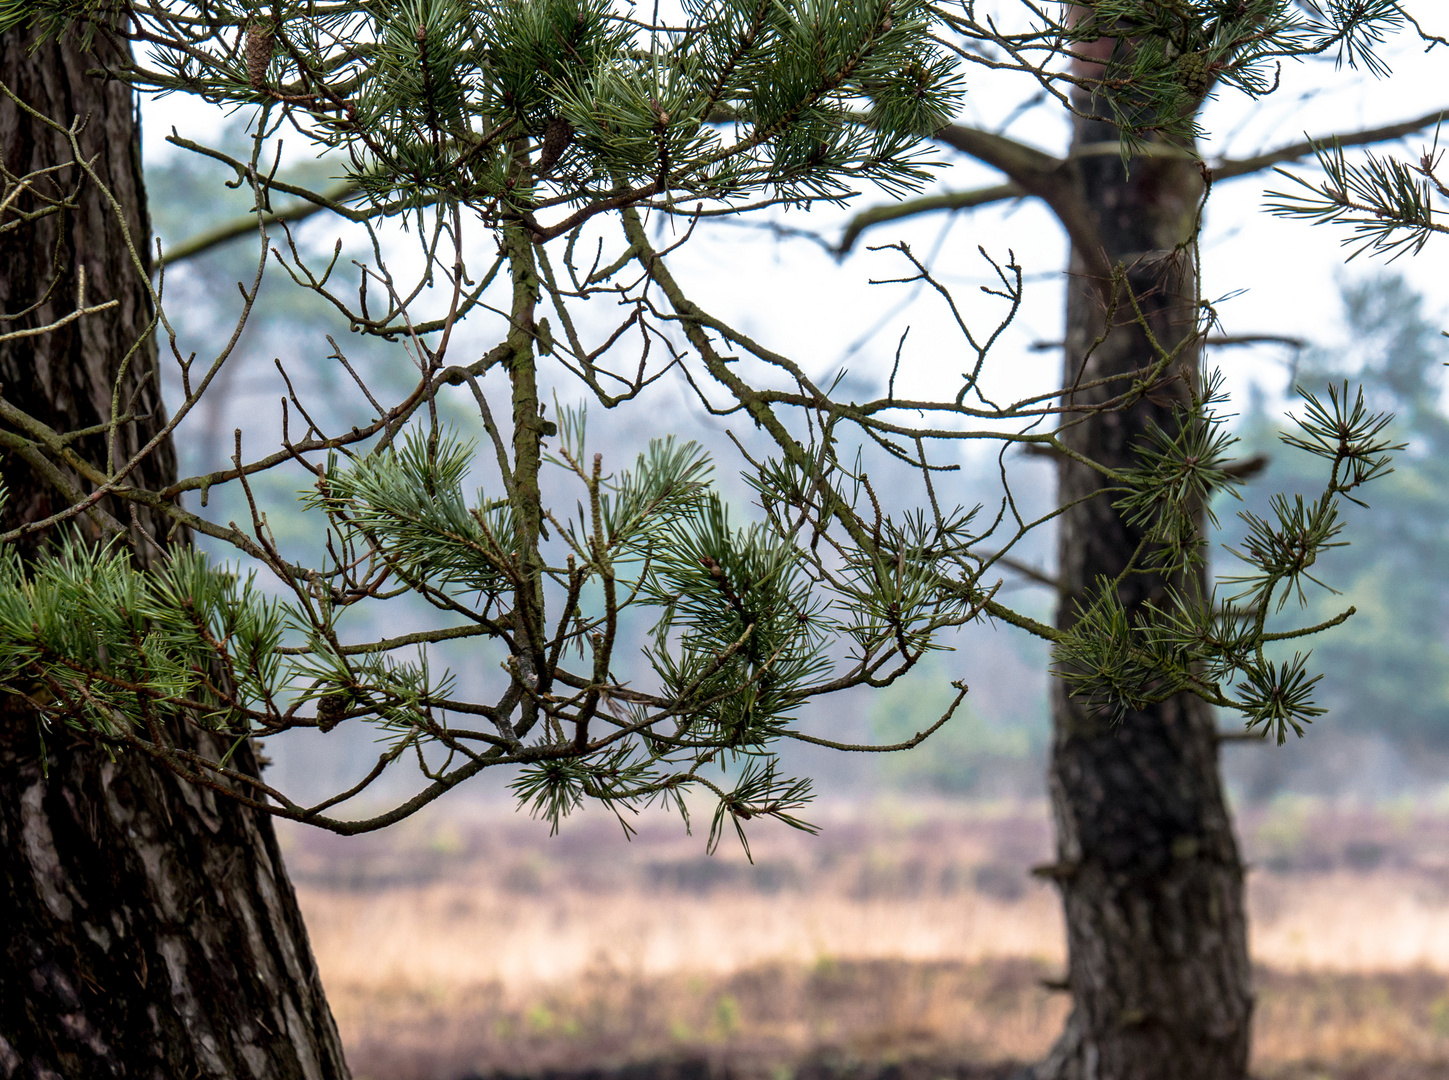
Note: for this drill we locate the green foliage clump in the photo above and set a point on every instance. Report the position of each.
(1387, 669)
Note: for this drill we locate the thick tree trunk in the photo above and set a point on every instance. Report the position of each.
(1146, 859)
(149, 926)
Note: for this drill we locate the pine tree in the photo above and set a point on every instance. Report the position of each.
(550, 130)
(150, 928)
(1152, 933)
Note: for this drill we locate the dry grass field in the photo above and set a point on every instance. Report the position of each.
(472, 944)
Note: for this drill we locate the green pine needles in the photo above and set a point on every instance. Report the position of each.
(1195, 640)
(1392, 207)
(436, 99)
(632, 636)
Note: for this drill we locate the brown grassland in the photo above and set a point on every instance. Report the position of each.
(472, 944)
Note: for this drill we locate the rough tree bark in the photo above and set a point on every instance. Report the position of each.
(1147, 863)
(150, 928)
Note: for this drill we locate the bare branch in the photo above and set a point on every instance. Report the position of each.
(1232, 169)
(949, 200)
(246, 225)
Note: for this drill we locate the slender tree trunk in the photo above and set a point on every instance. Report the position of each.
(1146, 859)
(149, 926)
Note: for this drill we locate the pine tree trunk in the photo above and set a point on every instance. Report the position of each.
(149, 926)
(1146, 858)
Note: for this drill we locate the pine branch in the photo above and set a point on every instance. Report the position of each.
(1232, 169)
(1035, 172)
(928, 204)
(246, 225)
(1025, 165)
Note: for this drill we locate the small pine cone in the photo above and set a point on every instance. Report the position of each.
(259, 42)
(1191, 71)
(556, 139)
(330, 711)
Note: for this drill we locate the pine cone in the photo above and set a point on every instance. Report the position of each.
(556, 139)
(330, 710)
(1192, 72)
(259, 42)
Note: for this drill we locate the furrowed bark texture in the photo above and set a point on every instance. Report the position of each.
(149, 926)
(1146, 858)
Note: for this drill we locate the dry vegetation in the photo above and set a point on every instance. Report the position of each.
(472, 944)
